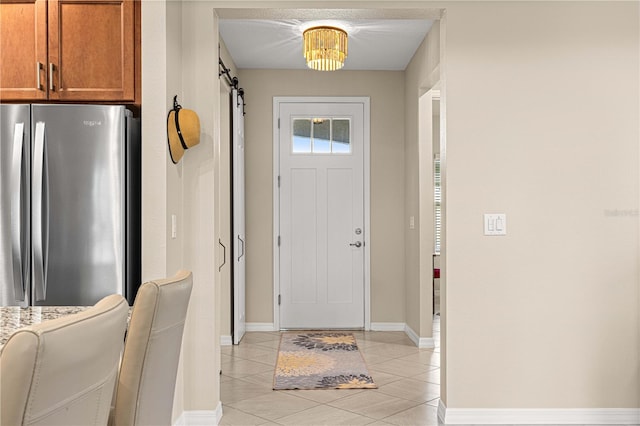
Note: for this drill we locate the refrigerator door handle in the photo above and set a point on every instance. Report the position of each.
(39, 251)
(17, 219)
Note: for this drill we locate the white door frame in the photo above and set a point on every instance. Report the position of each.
(365, 101)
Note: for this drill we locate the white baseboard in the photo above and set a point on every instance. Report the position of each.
(200, 417)
(497, 416)
(387, 326)
(226, 341)
(442, 411)
(421, 342)
(260, 326)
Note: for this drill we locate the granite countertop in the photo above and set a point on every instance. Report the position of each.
(15, 317)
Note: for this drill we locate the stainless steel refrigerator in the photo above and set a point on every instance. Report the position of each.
(69, 204)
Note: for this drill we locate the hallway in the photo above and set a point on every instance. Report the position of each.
(408, 385)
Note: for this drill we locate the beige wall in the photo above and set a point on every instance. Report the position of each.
(161, 180)
(159, 190)
(422, 74)
(386, 90)
(201, 92)
(542, 124)
(180, 42)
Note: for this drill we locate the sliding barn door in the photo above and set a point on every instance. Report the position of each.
(239, 263)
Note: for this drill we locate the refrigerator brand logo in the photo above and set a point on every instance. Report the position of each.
(92, 123)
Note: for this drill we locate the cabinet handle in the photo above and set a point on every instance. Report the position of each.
(51, 76)
(38, 68)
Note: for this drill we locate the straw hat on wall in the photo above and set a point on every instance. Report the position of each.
(183, 130)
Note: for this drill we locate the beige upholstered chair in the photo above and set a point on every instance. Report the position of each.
(63, 371)
(144, 393)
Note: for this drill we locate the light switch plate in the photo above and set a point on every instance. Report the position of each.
(495, 224)
(174, 226)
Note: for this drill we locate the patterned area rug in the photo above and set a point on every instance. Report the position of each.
(320, 360)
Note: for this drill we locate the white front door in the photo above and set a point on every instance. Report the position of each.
(321, 205)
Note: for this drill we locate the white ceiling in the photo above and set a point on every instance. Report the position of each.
(274, 41)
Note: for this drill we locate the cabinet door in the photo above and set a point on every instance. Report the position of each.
(91, 50)
(23, 49)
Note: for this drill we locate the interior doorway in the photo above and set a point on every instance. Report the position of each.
(322, 225)
(430, 203)
(437, 199)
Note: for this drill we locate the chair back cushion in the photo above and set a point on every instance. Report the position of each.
(63, 371)
(147, 378)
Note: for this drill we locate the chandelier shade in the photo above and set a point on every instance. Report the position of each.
(325, 48)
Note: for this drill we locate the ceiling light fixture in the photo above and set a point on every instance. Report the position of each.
(325, 48)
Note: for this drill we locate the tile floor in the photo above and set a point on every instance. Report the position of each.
(408, 385)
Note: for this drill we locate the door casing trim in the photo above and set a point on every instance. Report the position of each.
(365, 101)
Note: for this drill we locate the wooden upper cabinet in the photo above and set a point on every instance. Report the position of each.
(91, 50)
(23, 50)
(86, 49)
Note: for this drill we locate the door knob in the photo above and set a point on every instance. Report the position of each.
(357, 244)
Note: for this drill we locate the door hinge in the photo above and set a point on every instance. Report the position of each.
(278, 240)
(278, 123)
(278, 181)
(279, 299)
